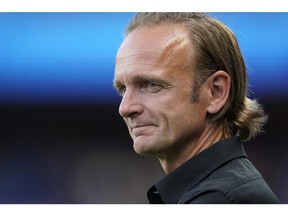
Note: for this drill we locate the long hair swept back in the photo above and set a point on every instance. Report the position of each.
(216, 49)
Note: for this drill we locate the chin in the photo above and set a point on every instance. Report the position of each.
(141, 147)
(146, 148)
(141, 150)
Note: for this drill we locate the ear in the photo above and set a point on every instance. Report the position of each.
(219, 87)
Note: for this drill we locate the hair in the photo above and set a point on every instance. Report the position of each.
(216, 49)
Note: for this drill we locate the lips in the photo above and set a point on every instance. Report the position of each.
(140, 125)
(141, 129)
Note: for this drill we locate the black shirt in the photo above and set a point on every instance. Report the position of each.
(220, 174)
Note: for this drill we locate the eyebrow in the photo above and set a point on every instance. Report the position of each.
(138, 78)
(116, 85)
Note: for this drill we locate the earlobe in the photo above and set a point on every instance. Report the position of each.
(219, 91)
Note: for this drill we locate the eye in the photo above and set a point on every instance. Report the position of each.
(121, 91)
(152, 87)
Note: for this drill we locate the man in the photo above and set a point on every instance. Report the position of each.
(184, 99)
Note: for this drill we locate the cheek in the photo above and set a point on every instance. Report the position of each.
(188, 116)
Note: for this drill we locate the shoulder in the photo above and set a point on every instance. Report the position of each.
(252, 192)
(236, 182)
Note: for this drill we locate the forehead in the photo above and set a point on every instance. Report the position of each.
(165, 46)
(155, 41)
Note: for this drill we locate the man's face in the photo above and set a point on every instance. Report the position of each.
(155, 78)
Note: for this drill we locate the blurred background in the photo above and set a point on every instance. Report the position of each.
(61, 138)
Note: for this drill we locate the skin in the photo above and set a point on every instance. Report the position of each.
(154, 74)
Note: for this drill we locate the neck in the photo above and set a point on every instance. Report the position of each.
(211, 134)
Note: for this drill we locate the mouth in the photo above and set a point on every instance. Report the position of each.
(141, 126)
(141, 129)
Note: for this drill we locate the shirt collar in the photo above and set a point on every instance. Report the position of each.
(175, 184)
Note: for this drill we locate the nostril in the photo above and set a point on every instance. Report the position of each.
(130, 109)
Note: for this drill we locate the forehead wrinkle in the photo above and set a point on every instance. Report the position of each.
(146, 59)
(132, 64)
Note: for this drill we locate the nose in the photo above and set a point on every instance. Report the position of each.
(130, 105)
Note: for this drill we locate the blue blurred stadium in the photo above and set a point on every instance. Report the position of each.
(61, 138)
